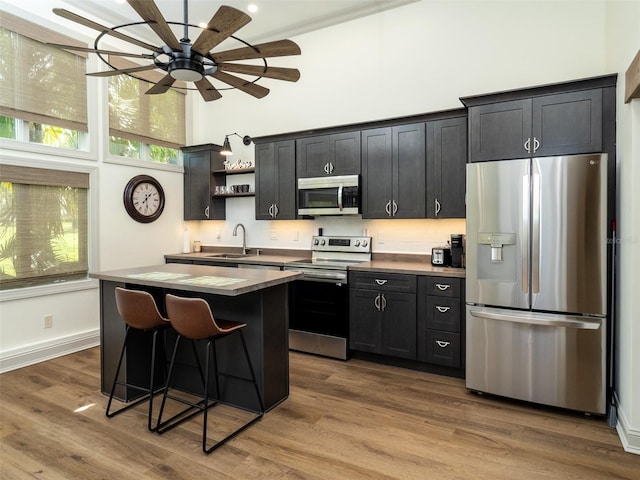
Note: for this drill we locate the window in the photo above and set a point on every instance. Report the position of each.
(43, 226)
(149, 127)
(43, 94)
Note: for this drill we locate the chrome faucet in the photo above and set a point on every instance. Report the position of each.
(244, 237)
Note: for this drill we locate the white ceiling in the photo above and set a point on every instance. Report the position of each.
(274, 20)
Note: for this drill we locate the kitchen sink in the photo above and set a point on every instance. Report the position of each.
(231, 255)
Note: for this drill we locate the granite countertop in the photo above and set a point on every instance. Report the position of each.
(392, 263)
(408, 267)
(200, 278)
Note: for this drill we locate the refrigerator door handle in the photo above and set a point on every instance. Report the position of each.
(566, 321)
(535, 232)
(524, 234)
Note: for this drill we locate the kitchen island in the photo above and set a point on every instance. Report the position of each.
(258, 298)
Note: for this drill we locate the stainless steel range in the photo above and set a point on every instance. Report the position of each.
(319, 303)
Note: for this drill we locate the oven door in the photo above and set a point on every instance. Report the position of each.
(319, 318)
(328, 196)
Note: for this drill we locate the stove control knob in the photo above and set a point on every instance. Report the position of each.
(365, 243)
(315, 241)
(322, 242)
(357, 243)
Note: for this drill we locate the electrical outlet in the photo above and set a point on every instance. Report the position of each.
(48, 321)
(273, 235)
(296, 236)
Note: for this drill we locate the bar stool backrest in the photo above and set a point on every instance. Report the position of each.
(192, 317)
(138, 309)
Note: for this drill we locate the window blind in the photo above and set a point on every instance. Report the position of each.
(43, 226)
(152, 119)
(40, 83)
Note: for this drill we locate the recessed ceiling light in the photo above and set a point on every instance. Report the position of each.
(253, 8)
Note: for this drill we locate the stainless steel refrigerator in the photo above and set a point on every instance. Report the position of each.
(536, 281)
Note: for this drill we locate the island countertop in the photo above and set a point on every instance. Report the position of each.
(200, 278)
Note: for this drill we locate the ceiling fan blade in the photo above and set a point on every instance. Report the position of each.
(162, 86)
(104, 52)
(224, 23)
(110, 73)
(247, 87)
(149, 12)
(279, 48)
(61, 12)
(207, 90)
(287, 74)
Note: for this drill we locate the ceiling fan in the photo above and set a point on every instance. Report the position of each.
(193, 62)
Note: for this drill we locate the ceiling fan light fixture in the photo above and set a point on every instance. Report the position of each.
(226, 147)
(186, 69)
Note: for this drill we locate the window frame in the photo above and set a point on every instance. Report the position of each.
(89, 142)
(92, 229)
(144, 160)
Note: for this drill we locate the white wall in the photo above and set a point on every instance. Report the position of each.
(623, 42)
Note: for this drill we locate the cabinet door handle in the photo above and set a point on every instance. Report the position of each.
(437, 203)
(276, 210)
(206, 211)
(387, 208)
(442, 286)
(330, 167)
(527, 145)
(395, 208)
(384, 302)
(381, 282)
(536, 144)
(442, 344)
(376, 302)
(442, 309)
(326, 168)
(271, 210)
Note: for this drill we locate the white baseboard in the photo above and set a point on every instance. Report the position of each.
(39, 352)
(629, 436)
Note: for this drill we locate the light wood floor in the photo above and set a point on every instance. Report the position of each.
(343, 420)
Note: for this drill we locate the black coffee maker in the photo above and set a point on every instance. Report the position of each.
(457, 250)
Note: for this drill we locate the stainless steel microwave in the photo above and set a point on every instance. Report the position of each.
(339, 195)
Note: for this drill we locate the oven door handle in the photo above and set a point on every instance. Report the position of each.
(340, 197)
(338, 277)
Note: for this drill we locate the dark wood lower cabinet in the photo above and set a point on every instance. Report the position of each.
(412, 321)
(383, 322)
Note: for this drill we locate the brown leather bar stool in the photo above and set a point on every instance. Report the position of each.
(139, 311)
(192, 319)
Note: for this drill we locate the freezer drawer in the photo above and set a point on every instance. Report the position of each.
(549, 359)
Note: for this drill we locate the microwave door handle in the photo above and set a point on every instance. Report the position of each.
(340, 197)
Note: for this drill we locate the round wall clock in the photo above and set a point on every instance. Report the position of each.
(144, 198)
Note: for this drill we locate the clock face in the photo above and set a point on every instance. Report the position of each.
(144, 198)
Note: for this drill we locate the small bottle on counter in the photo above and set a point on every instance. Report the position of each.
(196, 246)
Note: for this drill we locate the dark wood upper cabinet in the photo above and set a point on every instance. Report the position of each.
(559, 119)
(499, 131)
(328, 155)
(568, 123)
(275, 180)
(199, 163)
(394, 172)
(446, 168)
